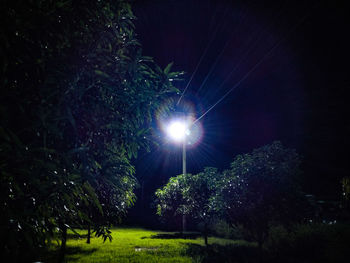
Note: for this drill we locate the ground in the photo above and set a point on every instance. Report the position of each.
(140, 245)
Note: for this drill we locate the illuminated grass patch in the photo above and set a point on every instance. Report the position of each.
(140, 245)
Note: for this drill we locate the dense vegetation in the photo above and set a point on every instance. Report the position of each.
(258, 191)
(77, 95)
(258, 199)
(77, 99)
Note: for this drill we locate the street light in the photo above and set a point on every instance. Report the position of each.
(186, 130)
(178, 130)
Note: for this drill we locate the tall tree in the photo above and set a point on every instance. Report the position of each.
(77, 97)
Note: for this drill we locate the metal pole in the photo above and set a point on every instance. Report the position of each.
(184, 157)
(184, 173)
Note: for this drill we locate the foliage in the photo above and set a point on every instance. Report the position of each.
(170, 200)
(190, 195)
(77, 96)
(260, 189)
(309, 243)
(219, 227)
(199, 190)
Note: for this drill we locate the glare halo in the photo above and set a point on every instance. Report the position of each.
(177, 130)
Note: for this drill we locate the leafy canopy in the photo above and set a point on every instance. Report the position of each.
(77, 97)
(261, 189)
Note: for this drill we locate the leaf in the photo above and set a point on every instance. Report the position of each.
(167, 68)
(101, 73)
(98, 165)
(71, 118)
(92, 194)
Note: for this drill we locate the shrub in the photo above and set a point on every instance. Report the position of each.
(309, 243)
(221, 228)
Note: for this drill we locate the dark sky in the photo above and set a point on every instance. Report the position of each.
(296, 94)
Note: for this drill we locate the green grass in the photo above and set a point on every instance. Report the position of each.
(141, 245)
(306, 243)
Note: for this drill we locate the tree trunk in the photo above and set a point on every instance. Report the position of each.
(205, 233)
(260, 246)
(88, 234)
(206, 239)
(63, 244)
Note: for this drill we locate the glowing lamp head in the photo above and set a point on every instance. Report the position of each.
(177, 130)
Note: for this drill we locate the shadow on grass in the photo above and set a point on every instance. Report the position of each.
(76, 236)
(175, 236)
(223, 253)
(79, 250)
(72, 254)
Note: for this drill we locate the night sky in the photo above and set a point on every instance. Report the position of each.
(297, 92)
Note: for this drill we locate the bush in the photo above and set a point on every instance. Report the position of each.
(310, 243)
(221, 228)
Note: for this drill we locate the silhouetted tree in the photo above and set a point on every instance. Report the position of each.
(77, 97)
(261, 189)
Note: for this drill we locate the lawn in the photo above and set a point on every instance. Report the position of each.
(141, 245)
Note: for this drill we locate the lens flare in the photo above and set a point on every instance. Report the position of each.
(178, 125)
(177, 130)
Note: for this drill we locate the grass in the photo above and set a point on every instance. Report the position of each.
(306, 243)
(141, 245)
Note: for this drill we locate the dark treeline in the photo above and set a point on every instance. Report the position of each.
(259, 198)
(259, 189)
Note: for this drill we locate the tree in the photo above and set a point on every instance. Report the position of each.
(200, 189)
(190, 195)
(77, 97)
(261, 189)
(171, 203)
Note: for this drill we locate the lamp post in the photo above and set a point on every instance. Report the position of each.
(178, 130)
(184, 173)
